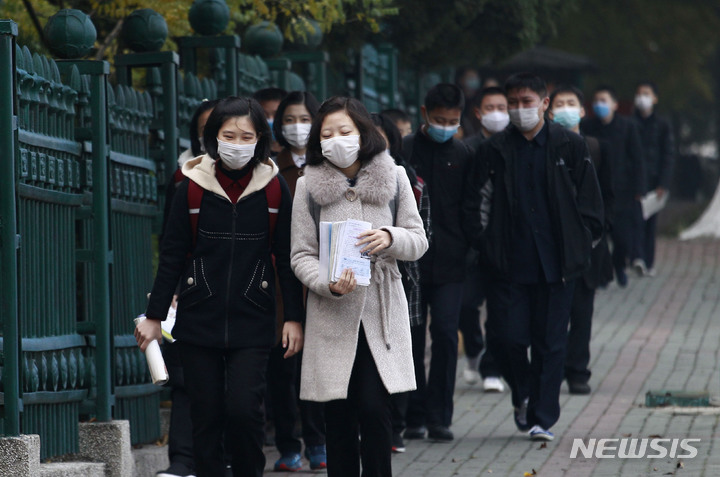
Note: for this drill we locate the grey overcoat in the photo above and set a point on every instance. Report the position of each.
(333, 323)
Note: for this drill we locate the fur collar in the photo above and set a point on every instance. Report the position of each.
(376, 181)
(201, 170)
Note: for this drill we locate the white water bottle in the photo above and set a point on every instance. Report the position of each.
(155, 360)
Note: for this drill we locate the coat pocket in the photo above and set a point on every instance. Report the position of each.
(259, 291)
(194, 287)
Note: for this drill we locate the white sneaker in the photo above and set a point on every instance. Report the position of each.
(640, 267)
(471, 376)
(537, 433)
(493, 384)
(651, 272)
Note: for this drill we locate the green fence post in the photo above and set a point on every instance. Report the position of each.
(230, 44)
(8, 231)
(101, 254)
(392, 84)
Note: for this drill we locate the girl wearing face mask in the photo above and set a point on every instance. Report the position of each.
(220, 253)
(292, 129)
(358, 348)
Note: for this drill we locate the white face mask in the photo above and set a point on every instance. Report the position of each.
(296, 134)
(644, 102)
(495, 121)
(342, 151)
(525, 119)
(235, 156)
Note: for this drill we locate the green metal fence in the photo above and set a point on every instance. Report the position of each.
(85, 165)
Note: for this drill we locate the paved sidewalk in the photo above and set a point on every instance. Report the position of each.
(658, 333)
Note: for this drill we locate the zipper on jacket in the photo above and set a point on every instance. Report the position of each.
(229, 279)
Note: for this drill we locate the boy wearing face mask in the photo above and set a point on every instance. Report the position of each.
(541, 211)
(566, 110)
(490, 107)
(628, 166)
(658, 144)
(448, 169)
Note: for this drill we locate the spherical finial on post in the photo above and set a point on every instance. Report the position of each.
(144, 30)
(264, 39)
(209, 17)
(70, 34)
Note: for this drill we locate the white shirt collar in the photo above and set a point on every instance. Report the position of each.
(298, 160)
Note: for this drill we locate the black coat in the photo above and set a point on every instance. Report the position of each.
(600, 272)
(625, 152)
(450, 176)
(659, 147)
(575, 201)
(227, 292)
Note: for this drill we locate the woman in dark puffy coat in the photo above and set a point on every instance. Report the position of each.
(227, 221)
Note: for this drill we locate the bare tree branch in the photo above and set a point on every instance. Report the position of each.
(36, 23)
(109, 40)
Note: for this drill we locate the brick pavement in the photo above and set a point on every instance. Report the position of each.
(659, 333)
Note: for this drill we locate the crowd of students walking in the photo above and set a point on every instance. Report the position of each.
(504, 196)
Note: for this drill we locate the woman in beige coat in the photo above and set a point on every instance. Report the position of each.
(357, 348)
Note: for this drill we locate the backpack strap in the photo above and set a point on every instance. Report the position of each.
(178, 177)
(273, 193)
(195, 195)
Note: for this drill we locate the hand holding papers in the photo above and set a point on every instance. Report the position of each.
(652, 204)
(339, 252)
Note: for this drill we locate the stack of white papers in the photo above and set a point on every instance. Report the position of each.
(651, 204)
(339, 252)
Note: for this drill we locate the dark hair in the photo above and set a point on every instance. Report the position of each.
(526, 81)
(607, 88)
(204, 107)
(393, 135)
(395, 141)
(269, 94)
(396, 115)
(483, 93)
(650, 84)
(371, 142)
(294, 97)
(568, 89)
(232, 107)
(444, 95)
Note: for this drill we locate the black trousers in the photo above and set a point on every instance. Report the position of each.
(180, 440)
(226, 388)
(647, 238)
(578, 347)
(469, 324)
(537, 316)
(365, 411)
(444, 302)
(414, 408)
(283, 376)
(627, 229)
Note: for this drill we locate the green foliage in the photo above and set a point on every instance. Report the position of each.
(432, 34)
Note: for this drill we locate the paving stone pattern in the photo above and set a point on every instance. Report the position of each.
(658, 333)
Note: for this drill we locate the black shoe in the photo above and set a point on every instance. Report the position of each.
(398, 446)
(176, 469)
(577, 387)
(621, 277)
(440, 433)
(415, 432)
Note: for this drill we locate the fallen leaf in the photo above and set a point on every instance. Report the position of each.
(489, 471)
(654, 469)
(680, 465)
(543, 446)
(530, 474)
(627, 435)
(655, 436)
